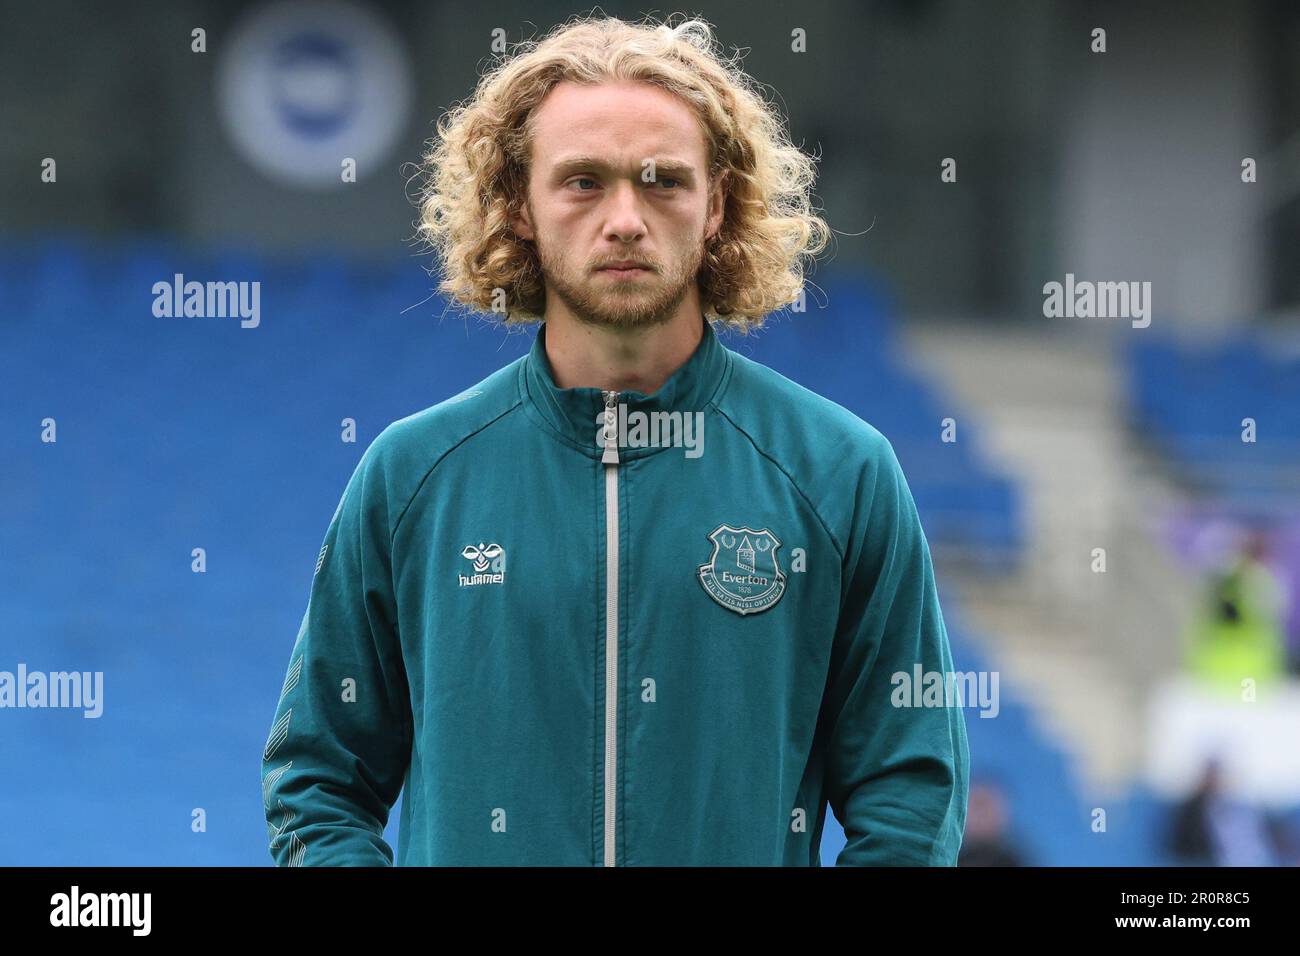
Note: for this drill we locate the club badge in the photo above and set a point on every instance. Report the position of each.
(743, 574)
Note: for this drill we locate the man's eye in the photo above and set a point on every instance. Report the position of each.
(584, 179)
(668, 179)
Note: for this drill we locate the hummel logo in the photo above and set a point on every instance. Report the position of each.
(489, 564)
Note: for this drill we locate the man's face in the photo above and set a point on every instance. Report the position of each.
(589, 204)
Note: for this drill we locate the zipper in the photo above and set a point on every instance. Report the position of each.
(610, 460)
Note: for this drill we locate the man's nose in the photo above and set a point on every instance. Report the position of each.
(625, 220)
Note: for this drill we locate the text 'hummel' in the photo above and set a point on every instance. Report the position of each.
(489, 561)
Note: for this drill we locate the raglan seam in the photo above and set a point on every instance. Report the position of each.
(839, 551)
(392, 538)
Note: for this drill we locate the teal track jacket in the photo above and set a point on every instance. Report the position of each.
(581, 628)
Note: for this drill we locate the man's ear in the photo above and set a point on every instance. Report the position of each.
(717, 205)
(522, 223)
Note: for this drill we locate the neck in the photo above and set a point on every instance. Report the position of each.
(622, 360)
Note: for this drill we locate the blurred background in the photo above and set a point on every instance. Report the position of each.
(1113, 503)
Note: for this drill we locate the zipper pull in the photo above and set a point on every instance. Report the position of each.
(611, 428)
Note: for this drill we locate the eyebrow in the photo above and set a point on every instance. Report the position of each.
(668, 166)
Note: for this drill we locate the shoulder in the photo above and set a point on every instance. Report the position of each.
(401, 457)
(830, 454)
(794, 423)
(435, 430)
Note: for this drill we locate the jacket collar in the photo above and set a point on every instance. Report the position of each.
(572, 413)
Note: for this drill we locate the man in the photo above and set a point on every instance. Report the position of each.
(1238, 633)
(633, 599)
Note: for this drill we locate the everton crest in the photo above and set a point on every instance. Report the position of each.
(743, 574)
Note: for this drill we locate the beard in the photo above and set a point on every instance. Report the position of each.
(640, 302)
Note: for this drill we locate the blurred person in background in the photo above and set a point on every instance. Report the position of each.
(1212, 828)
(987, 841)
(1238, 632)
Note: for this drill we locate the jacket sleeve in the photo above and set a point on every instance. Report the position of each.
(897, 776)
(340, 744)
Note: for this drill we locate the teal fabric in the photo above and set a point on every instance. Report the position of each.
(747, 701)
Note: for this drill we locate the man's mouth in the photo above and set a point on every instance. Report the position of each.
(624, 271)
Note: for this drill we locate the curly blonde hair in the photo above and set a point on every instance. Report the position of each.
(476, 170)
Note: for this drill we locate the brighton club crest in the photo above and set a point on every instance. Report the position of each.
(743, 574)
